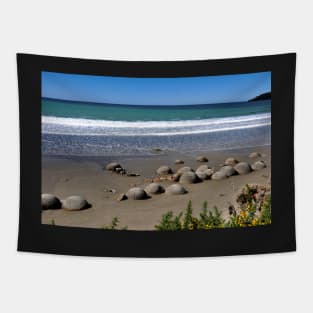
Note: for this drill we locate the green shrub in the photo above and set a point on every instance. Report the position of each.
(254, 209)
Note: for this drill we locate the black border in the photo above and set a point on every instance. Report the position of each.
(277, 237)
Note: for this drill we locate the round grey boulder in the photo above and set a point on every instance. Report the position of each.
(179, 162)
(50, 202)
(204, 172)
(154, 189)
(75, 203)
(243, 168)
(231, 161)
(184, 170)
(254, 155)
(136, 193)
(113, 166)
(176, 189)
(202, 158)
(189, 178)
(164, 170)
(258, 165)
(228, 170)
(202, 168)
(219, 175)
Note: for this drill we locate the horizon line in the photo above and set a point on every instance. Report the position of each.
(153, 105)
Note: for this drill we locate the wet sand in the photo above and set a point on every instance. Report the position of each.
(65, 176)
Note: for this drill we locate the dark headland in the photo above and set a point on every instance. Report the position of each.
(263, 96)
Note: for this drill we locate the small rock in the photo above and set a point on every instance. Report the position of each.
(50, 202)
(258, 165)
(121, 197)
(133, 174)
(176, 177)
(231, 161)
(112, 166)
(243, 168)
(154, 189)
(136, 193)
(110, 190)
(202, 158)
(75, 203)
(176, 189)
(164, 170)
(189, 178)
(179, 162)
(254, 155)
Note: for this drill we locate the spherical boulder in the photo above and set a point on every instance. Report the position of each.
(184, 170)
(136, 193)
(202, 168)
(75, 203)
(258, 165)
(254, 155)
(164, 170)
(228, 170)
(231, 161)
(243, 168)
(189, 178)
(112, 166)
(176, 189)
(179, 162)
(50, 202)
(202, 158)
(204, 172)
(219, 175)
(154, 189)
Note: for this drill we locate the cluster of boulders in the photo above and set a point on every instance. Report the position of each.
(117, 168)
(186, 175)
(71, 203)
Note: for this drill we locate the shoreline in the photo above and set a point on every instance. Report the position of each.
(71, 175)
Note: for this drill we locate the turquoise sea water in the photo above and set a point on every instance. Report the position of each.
(77, 128)
(84, 110)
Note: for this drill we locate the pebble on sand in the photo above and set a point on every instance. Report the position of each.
(254, 155)
(176, 189)
(136, 193)
(258, 165)
(164, 170)
(50, 202)
(75, 203)
(202, 158)
(179, 162)
(154, 189)
(189, 178)
(113, 166)
(231, 161)
(243, 168)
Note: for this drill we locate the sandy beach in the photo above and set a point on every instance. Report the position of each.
(86, 176)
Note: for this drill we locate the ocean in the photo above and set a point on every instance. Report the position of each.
(81, 128)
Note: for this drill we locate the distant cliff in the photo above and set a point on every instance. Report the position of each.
(263, 96)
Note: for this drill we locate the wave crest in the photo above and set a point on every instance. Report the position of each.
(89, 127)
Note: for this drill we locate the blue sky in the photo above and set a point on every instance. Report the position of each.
(155, 91)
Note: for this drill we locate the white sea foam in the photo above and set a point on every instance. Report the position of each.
(74, 126)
